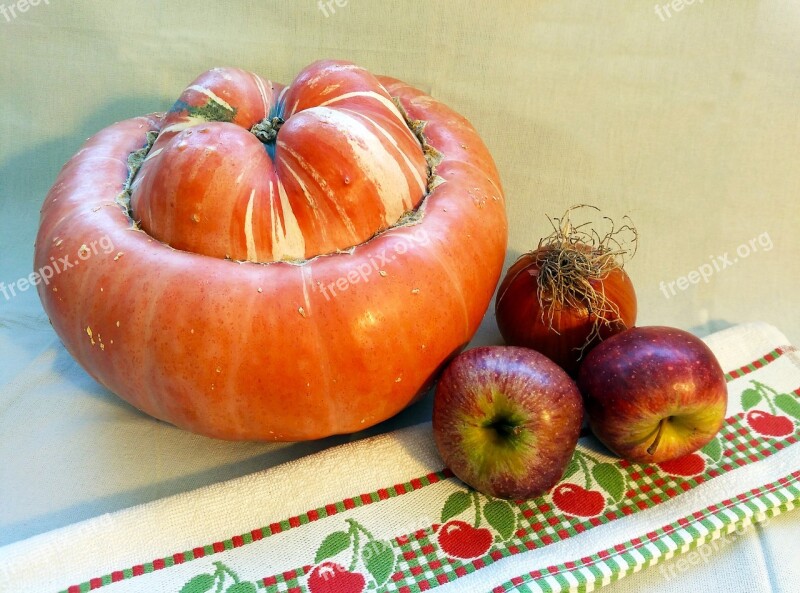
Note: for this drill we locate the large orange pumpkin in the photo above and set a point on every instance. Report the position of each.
(275, 263)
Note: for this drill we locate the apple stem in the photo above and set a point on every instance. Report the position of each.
(651, 450)
(477, 502)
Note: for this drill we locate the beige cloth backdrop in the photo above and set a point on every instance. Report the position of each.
(688, 122)
(683, 115)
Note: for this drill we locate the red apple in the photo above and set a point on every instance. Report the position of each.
(577, 501)
(653, 393)
(458, 539)
(506, 420)
(330, 577)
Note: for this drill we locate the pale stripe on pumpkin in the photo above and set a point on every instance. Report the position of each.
(283, 92)
(370, 95)
(414, 172)
(184, 123)
(211, 95)
(306, 271)
(330, 68)
(321, 183)
(263, 92)
(312, 203)
(248, 228)
(379, 166)
(153, 153)
(287, 239)
(329, 89)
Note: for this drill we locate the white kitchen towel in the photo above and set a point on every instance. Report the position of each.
(383, 514)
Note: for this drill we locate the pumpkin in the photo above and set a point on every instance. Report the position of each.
(274, 263)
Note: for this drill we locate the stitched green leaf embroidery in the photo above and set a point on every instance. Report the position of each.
(336, 542)
(610, 480)
(379, 559)
(500, 515)
(456, 503)
(788, 404)
(202, 583)
(572, 467)
(750, 398)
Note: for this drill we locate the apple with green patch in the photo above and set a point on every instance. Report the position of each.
(653, 394)
(506, 420)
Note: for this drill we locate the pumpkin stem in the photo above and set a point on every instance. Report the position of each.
(267, 129)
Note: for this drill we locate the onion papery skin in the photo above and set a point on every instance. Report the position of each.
(523, 321)
(280, 351)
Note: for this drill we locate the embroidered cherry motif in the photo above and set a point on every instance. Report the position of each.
(769, 424)
(375, 557)
(578, 501)
(330, 577)
(772, 423)
(459, 539)
(221, 577)
(688, 465)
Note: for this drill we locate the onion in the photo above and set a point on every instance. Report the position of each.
(570, 293)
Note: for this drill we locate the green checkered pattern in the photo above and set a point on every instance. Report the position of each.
(680, 537)
(422, 566)
(286, 582)
(742, 446)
